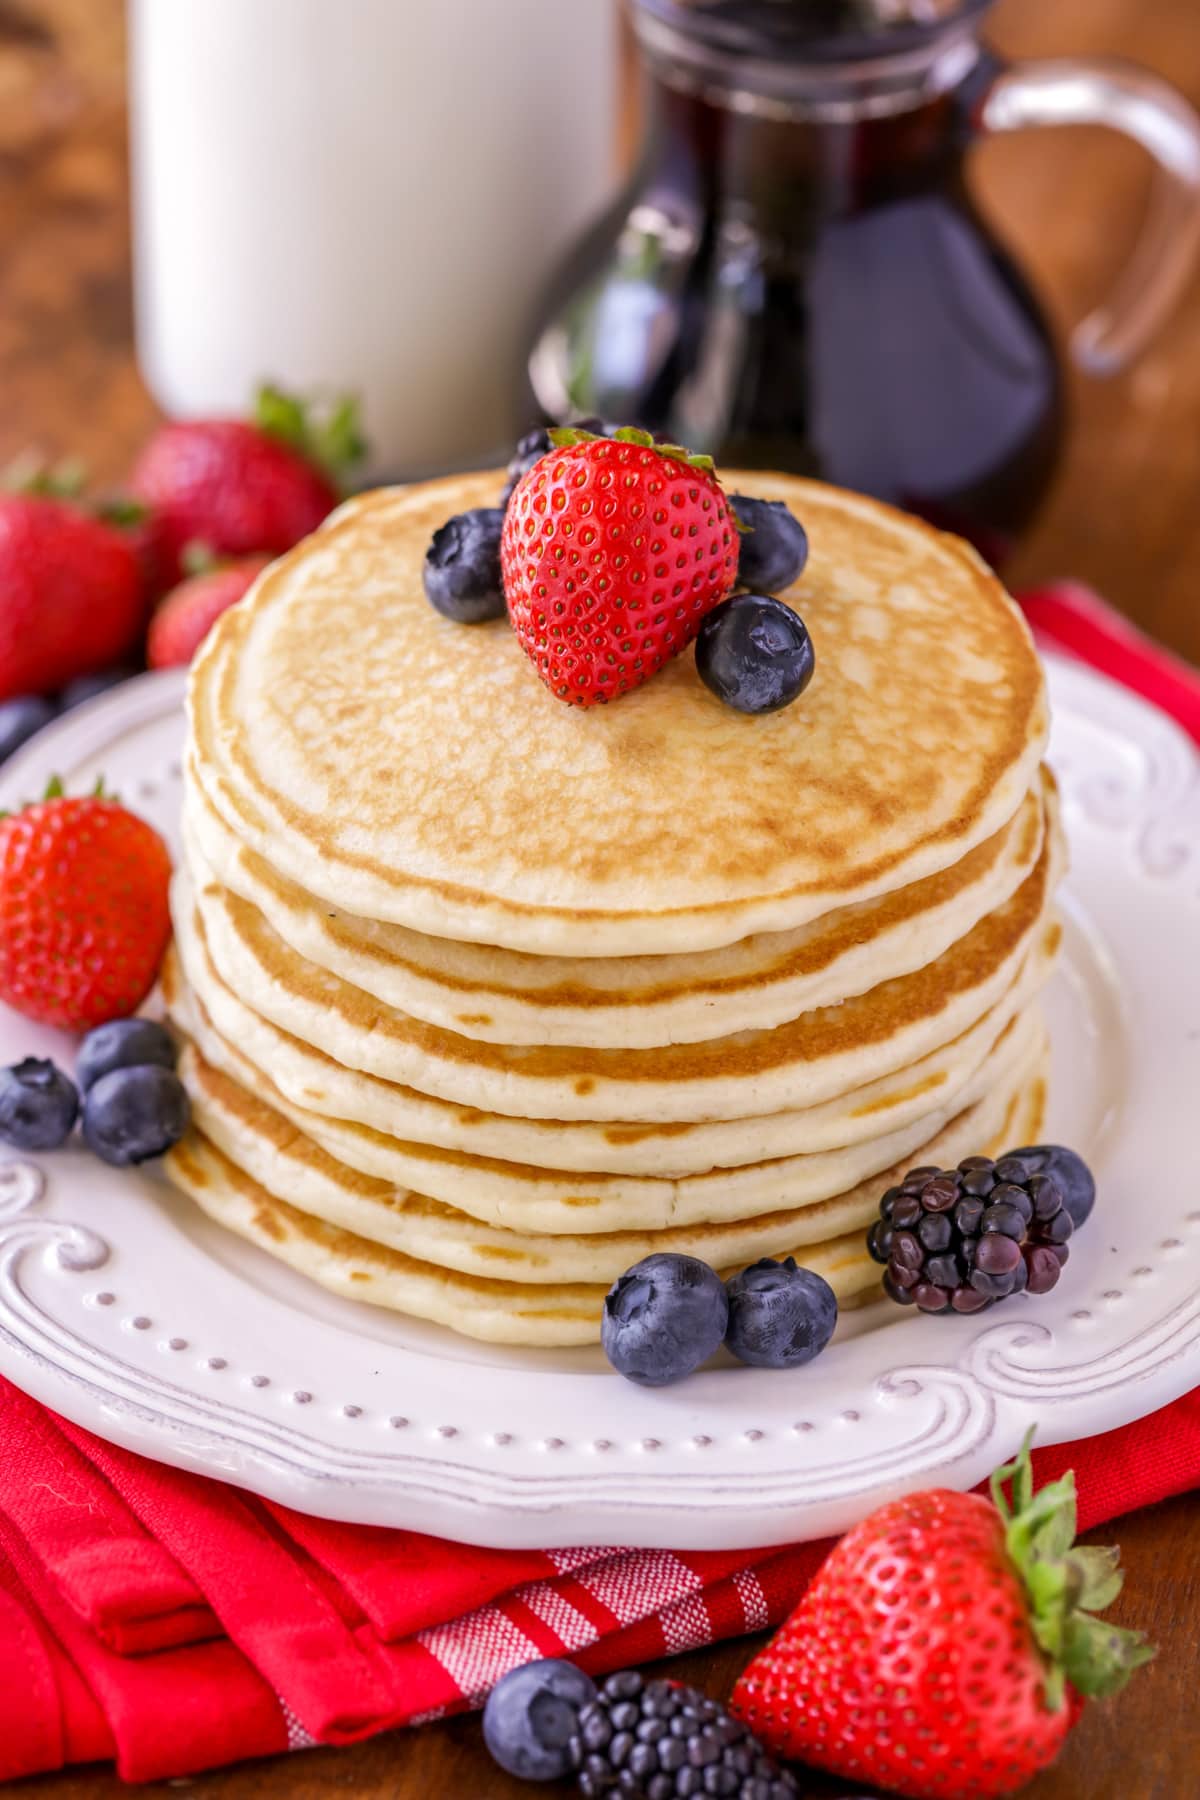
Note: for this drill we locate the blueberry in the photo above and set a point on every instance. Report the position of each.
(663, 1318)
(754, 653)
(121, 1044)
(774, 548)
(86, 687)
(19, 719)
(532, 1714)
(38, 1105)
(1075, 1180)
(462, 567)
(779, 1316)
(132, 1114)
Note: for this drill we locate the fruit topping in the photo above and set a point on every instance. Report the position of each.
(189, 612)
(663, 1318)
(84, 918)
(754, 653)
(774, 544)
(122, 1044)
(1075, 1180)
(133, 1114)
(462, 567)
(532, 1715)
(955, 1240)
(943, 1646)
(614, 550)
(659, 1739)
(536, 444)
(240, 486)
(38, 1105)
(70, 594)
(19, 719)
(780, 1316)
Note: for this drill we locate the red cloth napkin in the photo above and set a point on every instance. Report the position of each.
(174, 1624)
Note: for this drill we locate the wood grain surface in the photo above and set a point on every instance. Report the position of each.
(1125, 515)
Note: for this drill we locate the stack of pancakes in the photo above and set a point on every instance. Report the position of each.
(485, 997)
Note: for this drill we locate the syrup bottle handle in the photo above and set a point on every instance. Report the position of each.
(1130, 100)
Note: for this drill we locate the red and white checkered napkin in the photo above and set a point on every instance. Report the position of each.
(175, 1624)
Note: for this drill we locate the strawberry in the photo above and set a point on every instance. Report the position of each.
(142, 530)
(188, 613)
(943, 1647)
(83, 909)
(238, 486)
(613, 551)
(70, 594)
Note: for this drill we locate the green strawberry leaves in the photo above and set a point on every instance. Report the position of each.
(329, 436)
(30, 473)
(54, 790)
(1067, 1586)
(564, 436)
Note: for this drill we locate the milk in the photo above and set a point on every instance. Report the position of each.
(363, 194)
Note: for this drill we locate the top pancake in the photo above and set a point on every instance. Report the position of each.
(417, 772)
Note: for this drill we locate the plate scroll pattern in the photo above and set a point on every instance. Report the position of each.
(112, 1314)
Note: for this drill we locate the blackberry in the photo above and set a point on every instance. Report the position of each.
(958, 1240)
(656, 1740)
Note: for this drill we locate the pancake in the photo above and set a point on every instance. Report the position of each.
(369, 1121)
(807, 1060)
(529, 1313)
(292, 1167)
(407, 769)
(526, 1198)
(506, 997)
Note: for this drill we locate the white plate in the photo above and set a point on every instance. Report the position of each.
(122, 1307)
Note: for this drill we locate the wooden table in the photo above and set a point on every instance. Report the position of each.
(1125, 514)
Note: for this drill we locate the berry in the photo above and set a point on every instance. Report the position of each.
(462, 567)
(87, 687)
(19, 719)
(536, 444)
(773, 547)
(1075, 1180)
(755, 653)
(653, 1740)
(531, 1716)
(70, 594)
(38, 1105)
(614, 549)
(83, 910)
(943, 1647)
(131, 1115)
(238, 486)
(190, 611)
(663, 1318)
(121, 1044)
(959, 1239)
(779, 1316)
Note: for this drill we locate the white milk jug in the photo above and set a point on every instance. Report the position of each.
(362, 194)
